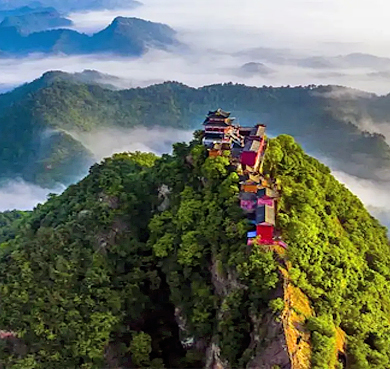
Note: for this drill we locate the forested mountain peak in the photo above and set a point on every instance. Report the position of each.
(144, 263)
(131, 35)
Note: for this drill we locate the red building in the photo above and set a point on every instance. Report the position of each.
(265, 219)
(252, 152)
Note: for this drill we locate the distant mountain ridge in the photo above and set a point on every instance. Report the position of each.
(124, 36)
(36, 21)
(70, 5)
(35, 119)
(23, 11)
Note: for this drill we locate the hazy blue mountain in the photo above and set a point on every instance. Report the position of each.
(125, 36)
(355, 60)
(320, 62)
(70, 5)
(253, 69)
(132, 36)
(53, 41)
(36, 21)
(23, 11)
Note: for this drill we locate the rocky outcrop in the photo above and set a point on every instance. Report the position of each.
(163, 194)
(269, 344)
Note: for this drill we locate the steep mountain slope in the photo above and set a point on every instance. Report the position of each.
(317, 119)
(339, 255)
(120, 272)
(38, 152)
(124, 36)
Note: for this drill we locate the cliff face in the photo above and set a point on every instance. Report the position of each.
(104, 276)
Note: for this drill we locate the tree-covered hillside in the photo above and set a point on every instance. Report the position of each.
(9, 224)
(144, 263)
(315, 118)
(339, 254)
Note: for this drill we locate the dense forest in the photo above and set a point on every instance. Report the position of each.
(9, 224)
(35, 120)
(144, 264)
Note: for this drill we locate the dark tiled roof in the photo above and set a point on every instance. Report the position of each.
(252, 145)
(265, 191)
(265, 214)
(258, 131)
(219, 112)
(249, 196)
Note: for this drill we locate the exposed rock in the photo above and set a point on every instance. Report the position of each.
(190, 160)
(269, 343)
(104, 240)
(163, 193)
(224, 285)
(84, 214)
(213, 358)
(111, 201)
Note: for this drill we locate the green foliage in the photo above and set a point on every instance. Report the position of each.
(277, 305)
(79, 266)
(339, 255)
(140, 349)
(144, 159)
(10, 221)
(323, 342)
(98, 264)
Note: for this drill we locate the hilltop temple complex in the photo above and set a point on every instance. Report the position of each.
(246, 147)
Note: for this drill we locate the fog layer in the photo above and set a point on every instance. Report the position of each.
(18, 194)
